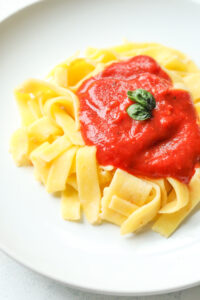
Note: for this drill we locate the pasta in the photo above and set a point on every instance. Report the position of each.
(70, 204)
(167, 223)
(50, 140)
(89, 193)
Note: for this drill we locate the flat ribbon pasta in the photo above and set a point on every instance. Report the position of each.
(68, 126)
(181, 194)
(53, 150)
(50, 140)
(122, 206)
(144, 214)
(43, 129)
(192, 80)
(69, 104)
(128, 188)
(166, 224)
(88, 183)
(70, 204)
(19, 147)
(41, 168)
(59, 171)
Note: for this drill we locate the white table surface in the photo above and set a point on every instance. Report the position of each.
(17, 282)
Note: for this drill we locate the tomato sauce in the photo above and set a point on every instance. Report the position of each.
(166, 145)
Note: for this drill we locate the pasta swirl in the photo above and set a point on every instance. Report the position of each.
(50, 140)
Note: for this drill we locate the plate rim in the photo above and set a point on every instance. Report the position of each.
(90, 289)
(17, 10)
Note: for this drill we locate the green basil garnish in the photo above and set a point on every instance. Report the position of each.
(145, 103)
(142, 97)
(138, 112)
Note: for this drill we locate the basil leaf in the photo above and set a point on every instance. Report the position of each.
(138, 112)
(142, 97)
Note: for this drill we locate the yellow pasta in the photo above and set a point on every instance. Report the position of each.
(72, 181)
(19, 147)
(51, 141)
(105, 177)
(108, 213)
(125, 186)
(164, 189)
(168, 223)
(89, 193)
(56, 148)
(69, 127)
(59, 171)
(144, 214)
(128, 187)
(191, 81)
(67, 103)
(43, 129)
(70, 204)
(101, 55)
(61, 76)
(122, 206)
(181, 197)
(41, 168)
(71, 73)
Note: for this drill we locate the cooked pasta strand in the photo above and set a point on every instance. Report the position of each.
(59, 171)
(69, 127)
(88, 183)
(42, 129)
(181, 199)
(143, 215)
(19, 147)
(122, 206)
(70, 204)
(168, 223)
(56, 148)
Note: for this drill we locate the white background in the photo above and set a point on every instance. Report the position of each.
(17, 282)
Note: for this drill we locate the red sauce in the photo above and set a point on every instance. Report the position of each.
(168, 144)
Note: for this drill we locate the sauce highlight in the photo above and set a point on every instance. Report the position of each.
(166, 145)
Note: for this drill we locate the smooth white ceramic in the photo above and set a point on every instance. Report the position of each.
(32, 231)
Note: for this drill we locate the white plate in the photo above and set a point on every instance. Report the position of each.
(32, 231)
